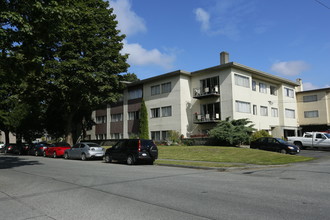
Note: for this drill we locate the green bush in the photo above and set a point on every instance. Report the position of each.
(259, 134)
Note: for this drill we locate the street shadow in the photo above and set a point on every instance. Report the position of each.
(7, 162)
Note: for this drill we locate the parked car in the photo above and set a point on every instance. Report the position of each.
(84, 151)
(274, 144)
(132, 151)
(22, 148)
(10, 148)
(2, 147)
(56, 149)
(38, 149)
(311, 139)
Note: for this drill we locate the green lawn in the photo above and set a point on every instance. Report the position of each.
(223, 155)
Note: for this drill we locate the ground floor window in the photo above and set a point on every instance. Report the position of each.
(155, 135)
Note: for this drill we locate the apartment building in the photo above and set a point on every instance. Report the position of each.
(314, 109)
(192, 103)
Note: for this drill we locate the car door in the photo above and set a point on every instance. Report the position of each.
(74, 151)
(320, 140)
(273, 144)
(118, 151)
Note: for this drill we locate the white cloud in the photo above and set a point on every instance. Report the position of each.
(309, 86)
(140, 56)
(203, 17)
(290, 68)
(128, 21)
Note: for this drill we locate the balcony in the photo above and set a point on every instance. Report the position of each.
(207, 118)
(206, 92)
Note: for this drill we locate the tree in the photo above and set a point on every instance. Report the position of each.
(70, 57)
(259, 134)
(232, 132)
(144, 127)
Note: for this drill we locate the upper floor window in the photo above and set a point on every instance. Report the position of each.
(289, 113)
(155, 90)
(273, 90)
(166, 87)
(289, 92)
(155, 112)
(311, 114)
(255, 110)
(242, 80)
(135, 94)
(263, 110)
(101, 119)
(310, 98)
(116, 117)
(244, 107)
(133, 115)
(254, 85)
(262, 88)
(274, 112)
(166, 111)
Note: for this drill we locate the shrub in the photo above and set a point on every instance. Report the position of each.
(259, 134)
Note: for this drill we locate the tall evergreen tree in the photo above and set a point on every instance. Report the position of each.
(144, 127)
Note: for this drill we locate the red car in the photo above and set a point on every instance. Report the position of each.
(56, 149)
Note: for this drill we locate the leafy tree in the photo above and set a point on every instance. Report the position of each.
(144, 127)
(231, 132)
(69, 54)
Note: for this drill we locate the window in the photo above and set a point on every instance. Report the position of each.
(166, 87)
(254, 85)
(273, 90)
(310, 98)
(242, 81)
(165, 135)
(133, 115)
(101, 136)
(155, 112)
(289, 113)
(254, 109)
(166, 111)
(263, 110)
(116, 117)
(155, 135)
(288, 92)
(135, 94)
(243, 107)
(116, 136)
(311, 114)
(155, 90)
(262, 88)
(101, 119)
(274, 112)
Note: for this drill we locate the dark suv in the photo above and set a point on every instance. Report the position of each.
(132, 151)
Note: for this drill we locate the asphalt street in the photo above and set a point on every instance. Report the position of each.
(45, 188)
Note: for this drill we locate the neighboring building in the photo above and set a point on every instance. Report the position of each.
(193, 102)
(12, 138)
(314, 110)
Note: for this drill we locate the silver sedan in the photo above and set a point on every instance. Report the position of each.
(84, 151)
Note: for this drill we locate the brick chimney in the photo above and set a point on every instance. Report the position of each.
(224, 57)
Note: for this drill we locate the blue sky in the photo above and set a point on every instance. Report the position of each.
(287, 38)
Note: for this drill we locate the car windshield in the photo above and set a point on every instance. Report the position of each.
(281, 141)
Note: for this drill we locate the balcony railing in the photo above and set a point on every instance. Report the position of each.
(207, 118)
(206, 92)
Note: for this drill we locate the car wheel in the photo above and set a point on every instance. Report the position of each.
(298, 144)
(107, 158)
(54, 155)
(66, 156)
(83, 156)
(130, 160)
(283, 151)
(44, 154)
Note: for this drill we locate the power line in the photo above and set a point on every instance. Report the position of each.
(321, 3)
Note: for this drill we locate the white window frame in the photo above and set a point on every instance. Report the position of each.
(116, 117)
(263, 110)
(155, 112)
(311, 114)
(290, 113)
(167, 111)
(310, 98)
(243, 107)
(262, 87)
(242, 81)
(155, 90)
(274, 112)
(135, 94)
(166, 87)
(289, 92)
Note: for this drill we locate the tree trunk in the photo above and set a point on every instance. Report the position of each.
(7, 140)
(68, 130)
